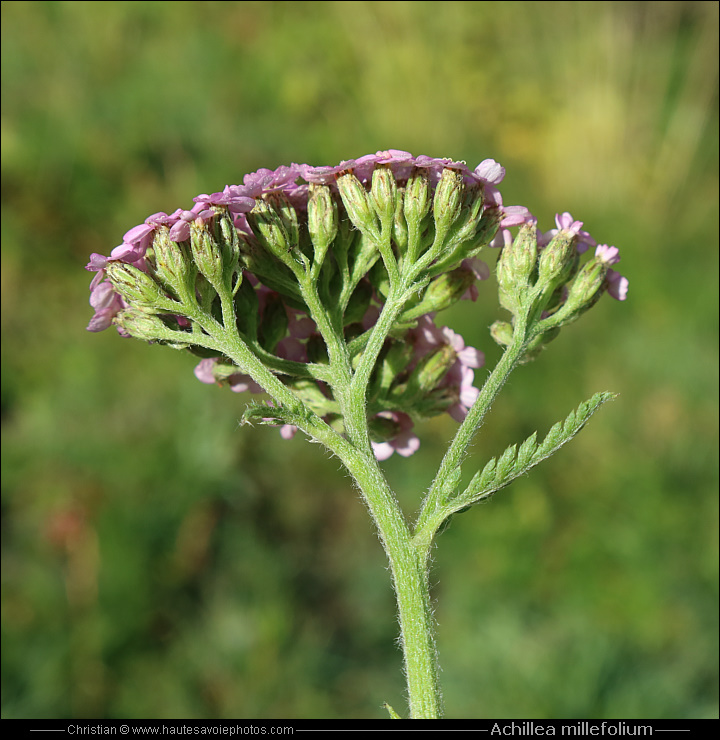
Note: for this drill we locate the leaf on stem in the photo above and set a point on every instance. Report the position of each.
(514, 462)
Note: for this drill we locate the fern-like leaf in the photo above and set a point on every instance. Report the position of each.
(515, 461)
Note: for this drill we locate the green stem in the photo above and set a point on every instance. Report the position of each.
(468, 429)
(409, 568)
(408, 562)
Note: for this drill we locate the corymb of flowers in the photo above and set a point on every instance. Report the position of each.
(301, 263)
(320, 287)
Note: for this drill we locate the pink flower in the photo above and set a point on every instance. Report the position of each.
(565, 221)
(288, 431)
(617, 285)
(324, 175)
(231, 196)
(204, 370)
(238, 382)
(401, 163)
(503, 238)
(106, 302)
(405, 443)
(608, 255)
(515, 216)
(490, 171)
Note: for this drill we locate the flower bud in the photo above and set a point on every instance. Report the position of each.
(538, 345)
(400, 228)
(311, 393)
(515, 268)
(430, 370)
(448, 199)
(384, 194)
(465, 228)
(557, 261)
(136, 287)
(227, 237)
(288, 215)
(357, 205)
(322, 220)
(206, 253)
(517, 261)
(140, 325)
(416, 203)
(586, 289)
(271, 231)
(487, 226)
(502, 333)
(443, 292)
(173, 265)
(383, 428)
(394, 364)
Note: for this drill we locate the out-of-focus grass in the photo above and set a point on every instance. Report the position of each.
(160, 562)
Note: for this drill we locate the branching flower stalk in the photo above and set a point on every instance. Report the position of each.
(320, 285)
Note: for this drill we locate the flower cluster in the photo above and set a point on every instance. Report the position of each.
(290, 239)
(616, 284)
(541, 280)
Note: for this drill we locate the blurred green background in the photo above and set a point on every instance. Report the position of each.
(160, 561)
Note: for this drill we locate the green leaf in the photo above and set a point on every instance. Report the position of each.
(515, 461)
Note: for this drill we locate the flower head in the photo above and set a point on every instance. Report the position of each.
(261, 242)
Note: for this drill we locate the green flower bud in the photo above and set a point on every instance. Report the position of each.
(384, 194)
(288, 214)
(447, 289)
(271, 231)
(135, 286)
(423, 380)
(448, 199)
(465, 228)
(394, 364)
(140, 324)
(487, 226)
(416, 203)
(538, 345)
(557, 261)
(433, 403)
(430, 370)
(400, 228)
(229, 240)
(173, 265)
(205, 292)
(502, 333)
(586, 289)
(322, 220)
(206, 253)
(515, 268)
(443, 292)
(357, 205)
